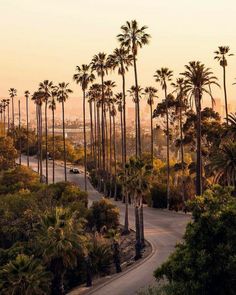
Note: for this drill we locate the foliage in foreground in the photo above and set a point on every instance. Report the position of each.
(205, 263)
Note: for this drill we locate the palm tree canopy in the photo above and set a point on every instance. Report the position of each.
(27, 93)
(221, 55)
(121, 59)
(63, 92)
(163, 76)
(84, 76)
(132, 92)
(133, 36)
(151, 94)
(38, 97)
(12, 92)
(99, 63)
(46, 88)
(197, 80)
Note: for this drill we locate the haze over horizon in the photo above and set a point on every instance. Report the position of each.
(47, 39)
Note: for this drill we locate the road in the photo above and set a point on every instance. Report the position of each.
(163, 230)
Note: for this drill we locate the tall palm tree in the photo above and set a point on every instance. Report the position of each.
(52, 107)
(198, 78)
(121, 59)
(62, 96)
(19, 130)
(83, 77)
(12, 93)
(27, 93)
(151, 94)
(100, 65)
(134, 37)
(179, 88)
(221, 55)
(46, 88)
(109, 85)
(25, 275)
(163, 76)
(37, 97)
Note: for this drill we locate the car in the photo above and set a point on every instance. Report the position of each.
(74, 170)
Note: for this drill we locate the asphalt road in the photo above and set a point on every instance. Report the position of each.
(163, 229)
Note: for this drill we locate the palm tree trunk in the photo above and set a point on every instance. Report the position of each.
(8, 118)
(19, 131)
(37, 131)
(99, 149)
(225, 93)
(122, 138)
(27, 126)
(151, 133)
(85, 143)
(114, 151)
(40, 144)
(110, 142)
(167, 150)
(4, 120)
(182, 154)
(64, 138)
(124, 116)
(138, 254)
(103, 130)
(95, 137)
(13, 112)
(46, 138)
(91, 130)
(141, 223)
(53, 145)
(199, 149)
(106, 153)
(138, 109)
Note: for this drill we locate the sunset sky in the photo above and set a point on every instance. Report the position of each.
(46, 39)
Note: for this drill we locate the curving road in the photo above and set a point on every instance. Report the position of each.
(163, 230)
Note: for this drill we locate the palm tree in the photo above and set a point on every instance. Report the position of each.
(46, 88)
(109, 85)
(60, 241)
(198, 78)
(113, 115)
(221, 55)
(151, 94)
(224, 164)
(132, 91)
(134, 37)
(52, 106)
(25, 275)
(19, 130)
(84, 76)
(138, 174)
(179, 87)
(163, 76)
(27, 93)
(37, 97)
(121, 59)
(100, 65)
(62, 96)
(12, 93)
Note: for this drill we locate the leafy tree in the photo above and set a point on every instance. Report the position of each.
(8, 153)
(205, 262)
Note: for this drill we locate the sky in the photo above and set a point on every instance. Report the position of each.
(46, 39)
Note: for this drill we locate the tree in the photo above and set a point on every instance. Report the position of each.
(62, 96)
(221, 55)
(60, 240)
(204, 263)
(12, 93)
(198, 78)
(27, 93)
(163, 76)
(8, 153)
(84, 76)
(151, 94)
(52, 106)
(100, 65)
(134, 37)
(121, 59)
(138, 174)
(24, 275)
(46, 88)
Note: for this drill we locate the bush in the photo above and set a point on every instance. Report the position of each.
(103, 213)
(205, 262)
